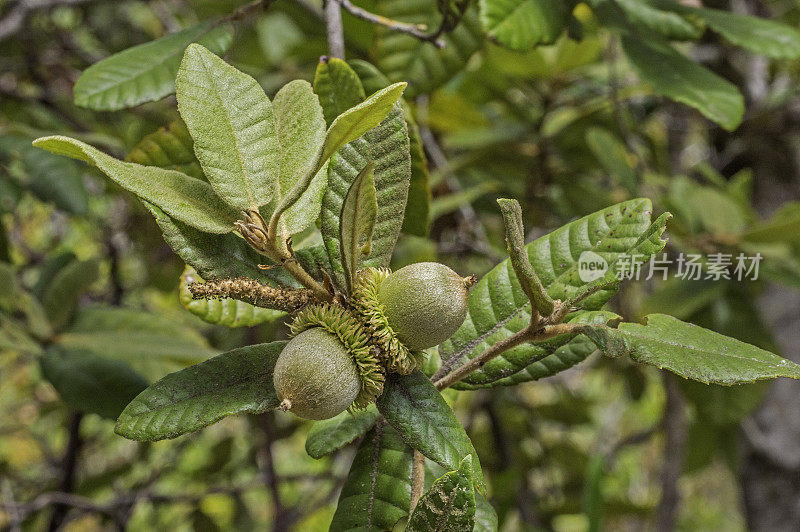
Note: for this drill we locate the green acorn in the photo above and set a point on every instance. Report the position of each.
(416, 307)
(425, 303)
(329, 365)
(315, 377)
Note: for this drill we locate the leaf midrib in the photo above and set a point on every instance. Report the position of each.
(424, 413)
(229, 116)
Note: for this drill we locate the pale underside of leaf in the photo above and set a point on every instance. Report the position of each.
(357, 120)
(232, 123)
(300, 125)
(448, 505)
(170, 147)
(185, 198)
(218, 256)
(357, 222)
(416, 219)
(485, 515)
(347, 127)
(387, 147)
(338, 87)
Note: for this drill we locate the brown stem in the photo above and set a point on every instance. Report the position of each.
(68, 467)
(479, 242)
(117, 289)
(306, 280)
(531, 333)
(676, 432)
(264, 240)
(283, 516)
(417, 480)
(248, 9)
(415, 30)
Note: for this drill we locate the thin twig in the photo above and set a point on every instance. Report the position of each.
(248, 9)
(282, 515)
(532, 333)
(333, 27)
(11, 506)
(69, 500)
(437, 156)
(415, 30)
(448, 364)
(417, 480)
(114, 508)
(264, 240)
(15, 19)
(675, 447)
(69, 466)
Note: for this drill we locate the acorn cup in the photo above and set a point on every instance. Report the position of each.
(329, 366)
(416, 307)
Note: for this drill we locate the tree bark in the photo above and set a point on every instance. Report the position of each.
(675, 428)
(770, 473)
(69, 466)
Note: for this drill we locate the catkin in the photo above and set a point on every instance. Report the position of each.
(253, 292)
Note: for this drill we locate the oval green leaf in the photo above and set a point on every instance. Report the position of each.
(144, 73)
(417, 410)
(235, 382)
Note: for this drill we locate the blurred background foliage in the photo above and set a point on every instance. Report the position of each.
(87, 283)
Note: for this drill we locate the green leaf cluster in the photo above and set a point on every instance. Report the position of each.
(645, 29)
(254, 153)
